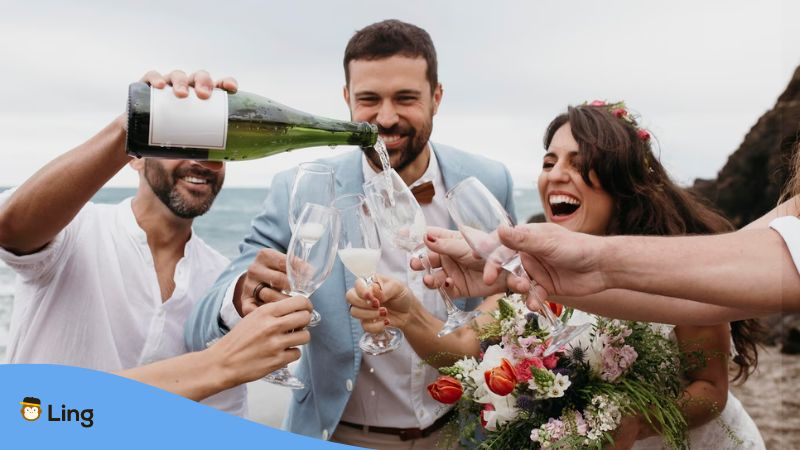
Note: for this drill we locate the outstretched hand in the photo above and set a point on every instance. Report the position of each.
(561, 262)
(461, 272)
(264, 341)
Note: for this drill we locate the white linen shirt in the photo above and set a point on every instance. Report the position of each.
(391, 390)
(91, 297)
(789, 229)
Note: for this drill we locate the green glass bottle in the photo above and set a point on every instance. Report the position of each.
(228, 127)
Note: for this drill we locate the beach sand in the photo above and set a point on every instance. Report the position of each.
(768, 395)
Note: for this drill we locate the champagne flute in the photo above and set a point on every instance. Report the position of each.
(360, 251)
(307, 266)
(478, 215)
(398, 214)
(313, 183)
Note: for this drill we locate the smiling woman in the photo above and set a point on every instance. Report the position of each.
(600, 177)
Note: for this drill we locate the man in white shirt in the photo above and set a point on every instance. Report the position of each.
(109, 287)
(370, 401)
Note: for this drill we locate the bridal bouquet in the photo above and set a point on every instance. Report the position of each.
(575, 398)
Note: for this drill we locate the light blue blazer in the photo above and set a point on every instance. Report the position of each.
(330, 362)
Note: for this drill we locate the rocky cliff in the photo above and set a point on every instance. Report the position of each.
(752, 180)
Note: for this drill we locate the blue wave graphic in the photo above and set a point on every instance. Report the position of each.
(124, 414)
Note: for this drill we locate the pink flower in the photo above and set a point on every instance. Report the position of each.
(619, 112)
(598, 103)
(643, 135)
(523, 368)
(550, 361)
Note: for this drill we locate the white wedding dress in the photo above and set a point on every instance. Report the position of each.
(716, 434)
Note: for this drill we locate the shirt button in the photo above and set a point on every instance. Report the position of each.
(325, 435)
(349, 385)
(371, 370)
(372, 393)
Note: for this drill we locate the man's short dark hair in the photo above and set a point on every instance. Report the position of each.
(389, 38)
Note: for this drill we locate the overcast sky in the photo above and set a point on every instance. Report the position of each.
(700, 73)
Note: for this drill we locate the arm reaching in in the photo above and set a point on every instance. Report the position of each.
(262, 342)
(748, 269)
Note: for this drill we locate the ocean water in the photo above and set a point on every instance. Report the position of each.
(222, 227)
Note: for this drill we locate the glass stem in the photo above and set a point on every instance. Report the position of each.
(544, 308)
(422, 255)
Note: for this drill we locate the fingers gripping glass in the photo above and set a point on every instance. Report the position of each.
(360, 251)
(309, 261)
(400, 217)
(478, 215)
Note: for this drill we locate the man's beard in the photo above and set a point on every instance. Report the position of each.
(163, 185)
(417, 140)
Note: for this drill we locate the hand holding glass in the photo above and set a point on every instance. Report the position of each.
(360, 251)
(309, 261)
(399, 215)
(478, 215)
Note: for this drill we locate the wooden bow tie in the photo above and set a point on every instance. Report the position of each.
(423, 192)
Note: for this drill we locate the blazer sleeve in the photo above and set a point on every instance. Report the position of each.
(270, 229)
(509, 203)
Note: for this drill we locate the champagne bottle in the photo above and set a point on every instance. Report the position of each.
(228, 127)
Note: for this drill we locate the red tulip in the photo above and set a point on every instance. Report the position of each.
(446, 390)
(557, 308)
(643, 135)
(620, 112)
(501, 380)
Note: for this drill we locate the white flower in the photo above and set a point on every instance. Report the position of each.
(593, 349)
(505, 408)
(562, 382)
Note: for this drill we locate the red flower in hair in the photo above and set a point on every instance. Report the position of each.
(598, 103)
(619, 112)
(643, 135)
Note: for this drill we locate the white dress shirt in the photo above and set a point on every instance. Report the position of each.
(91, 297)
(391, 390)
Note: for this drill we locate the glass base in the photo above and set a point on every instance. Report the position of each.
(316, 318)
(378, 344)
(564, 336)
(457, 320)
(282, 377)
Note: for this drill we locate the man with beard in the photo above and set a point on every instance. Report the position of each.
(109, 287)
(370, 401)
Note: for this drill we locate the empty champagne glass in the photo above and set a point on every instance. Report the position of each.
(398, 214)
(313, 183)
(360, 251)
(308, 265)
(478, 215)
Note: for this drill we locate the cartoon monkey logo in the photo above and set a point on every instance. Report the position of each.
(31, 408)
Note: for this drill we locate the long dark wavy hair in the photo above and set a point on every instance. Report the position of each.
(646, 200)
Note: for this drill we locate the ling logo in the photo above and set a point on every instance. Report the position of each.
(31, 408)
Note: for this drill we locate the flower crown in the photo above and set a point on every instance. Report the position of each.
(620, 111)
